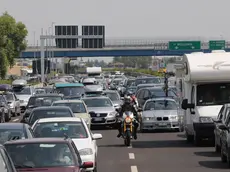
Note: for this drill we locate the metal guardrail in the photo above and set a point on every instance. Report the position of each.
(130, 43)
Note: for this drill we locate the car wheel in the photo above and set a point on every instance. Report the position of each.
(18, 112)
(95, 167)
(14, 113)
(197, 139)
(7, 117)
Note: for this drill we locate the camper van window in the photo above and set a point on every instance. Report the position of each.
(213, 94)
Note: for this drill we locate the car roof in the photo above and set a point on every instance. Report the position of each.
(69, 101)
(11, 125)
(37, 140)
(68, 85)
(110, 91)
(99, 97)
(162, 98)
(59, 119)
(51, 107)
(47, 95)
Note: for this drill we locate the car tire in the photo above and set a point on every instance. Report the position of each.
(197, 139)
(7, 117)
(19, 112)
(222, 156)
(95, 167)
(189, 138)
(14, 114)
(217, 148)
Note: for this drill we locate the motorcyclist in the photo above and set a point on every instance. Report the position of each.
(128, 106)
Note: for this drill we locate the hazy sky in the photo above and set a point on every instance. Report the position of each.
(127, 18)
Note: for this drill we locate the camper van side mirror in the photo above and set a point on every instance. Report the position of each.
(185, 105)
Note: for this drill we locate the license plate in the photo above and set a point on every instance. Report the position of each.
(162, 124)
(98, 119)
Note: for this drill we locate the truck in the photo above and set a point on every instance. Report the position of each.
(205, 88)
(93, 71)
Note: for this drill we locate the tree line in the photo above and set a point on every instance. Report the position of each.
(12, 41)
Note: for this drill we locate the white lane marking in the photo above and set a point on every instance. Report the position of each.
(15, 120)
(134, 169)
(131, 156)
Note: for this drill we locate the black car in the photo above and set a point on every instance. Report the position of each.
(152, 92)
(14, 131)
(49, 112)
(7, 164)
(40, 100)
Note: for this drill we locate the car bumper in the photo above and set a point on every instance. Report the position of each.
(163, 125)
(89, 158)
(205, 130)
(103, 121)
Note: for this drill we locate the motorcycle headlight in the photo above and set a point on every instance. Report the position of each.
(86, 151)
(206, 119)
(128, 120)
(112, 114)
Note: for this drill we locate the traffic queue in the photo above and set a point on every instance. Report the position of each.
(58, 119)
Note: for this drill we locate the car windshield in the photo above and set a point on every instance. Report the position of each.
(213, 94)
(116, 82)
(75, 107)
(7, 134)
(40, 91)
(48, 113)
(148, 81)
(98, 102)
(43, 101)
(34, 154)
(113, 96)
(130, 83)
(71, 91)
(59, 129)
(22, 90)
(161, 93)
(9, 97)
(160, 105)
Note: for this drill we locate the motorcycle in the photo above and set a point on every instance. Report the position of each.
(127, 127)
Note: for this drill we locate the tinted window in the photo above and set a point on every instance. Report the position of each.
(75, 107)
(34, 154)
(160, 105)
(113, 96)
(71, 91)
(48, 113)
(43, 101)
(59, 129)
(161, 93)
(22, 91)
(98, 102)
(213, 94)
(9, 97)
(7, 134)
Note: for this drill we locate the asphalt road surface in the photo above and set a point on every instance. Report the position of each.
(154, 152)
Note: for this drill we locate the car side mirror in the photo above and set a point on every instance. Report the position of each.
(86, 165)
(223, 127)
(185, 105)
(97, 136)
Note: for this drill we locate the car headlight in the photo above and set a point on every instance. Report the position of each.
(86, 151)
(206, 119)
(112, 114)
(173, 117)
(148, 118)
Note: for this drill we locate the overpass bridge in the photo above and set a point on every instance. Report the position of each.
(129, 47)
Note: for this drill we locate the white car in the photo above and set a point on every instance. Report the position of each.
(76, 129)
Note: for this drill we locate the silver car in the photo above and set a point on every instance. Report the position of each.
(115, 97)
(160, 113)
(101, 110)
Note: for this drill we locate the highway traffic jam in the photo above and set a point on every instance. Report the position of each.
(110, 122)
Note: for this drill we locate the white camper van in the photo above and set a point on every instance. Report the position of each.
(205, 88)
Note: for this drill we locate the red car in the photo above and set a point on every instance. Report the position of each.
(46, 154)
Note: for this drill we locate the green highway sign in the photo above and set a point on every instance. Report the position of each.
(217, 45)
(184, 45)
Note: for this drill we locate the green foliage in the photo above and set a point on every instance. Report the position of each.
(134, 61)
(130, 71)
(12, 41)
